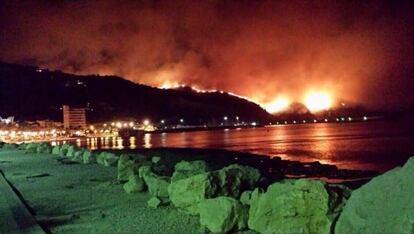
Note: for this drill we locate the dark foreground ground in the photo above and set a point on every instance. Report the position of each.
(69, 197)
(78, 198)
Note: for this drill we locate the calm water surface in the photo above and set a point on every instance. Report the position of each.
(365, 145)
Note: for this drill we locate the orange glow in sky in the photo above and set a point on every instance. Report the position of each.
(317, 101)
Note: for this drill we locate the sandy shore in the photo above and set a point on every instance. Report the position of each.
(78, 198)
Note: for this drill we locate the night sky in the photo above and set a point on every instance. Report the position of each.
(354, 51)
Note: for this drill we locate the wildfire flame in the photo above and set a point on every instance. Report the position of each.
(317, 101)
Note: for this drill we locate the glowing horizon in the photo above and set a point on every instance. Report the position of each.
(314, 101)
(317, 101)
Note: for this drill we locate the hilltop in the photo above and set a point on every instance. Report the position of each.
(30, 93)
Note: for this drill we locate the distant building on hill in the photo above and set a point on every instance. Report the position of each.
(74, 118)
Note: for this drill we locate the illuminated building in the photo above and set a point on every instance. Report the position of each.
(74, 118)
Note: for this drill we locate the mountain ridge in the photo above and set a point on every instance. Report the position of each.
(30, 93)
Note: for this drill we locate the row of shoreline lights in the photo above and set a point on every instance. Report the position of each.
(147, 122)
(342, 119)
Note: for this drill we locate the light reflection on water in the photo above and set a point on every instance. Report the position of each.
(374, 145)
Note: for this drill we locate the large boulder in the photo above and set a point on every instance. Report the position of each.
(185, 169)
(187, 193)
(292, 206)
(135, 184)
(223, 214)
(127, 167)
(229, 181)
(234, 179)
(157, 185)
(383, 205)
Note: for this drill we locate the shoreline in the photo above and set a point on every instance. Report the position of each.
(73, 190)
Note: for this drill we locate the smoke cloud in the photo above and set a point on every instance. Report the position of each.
(357, 51)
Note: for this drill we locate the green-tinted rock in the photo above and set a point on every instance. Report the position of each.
(88, 157)
(292, 206)
(107, 159)
(187, 193)
(135, 184)
(223, 214)
(154, 202)
(56, 150)
(64, 149)
(127, 166)
(383, 205)
(21, 146)
(71, 151)
(229, 181)
(245, 197)
(157, 185)
(31, 148)
(78, 155)
(156, 159)
(43, 148)
(234, 179)
(185, 169)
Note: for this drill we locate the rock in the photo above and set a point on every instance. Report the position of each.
(88, 157)
(187, 193)
(185, 169)
(107, 159)
(157, 185)
(126, 167)
(229, 181)
(234, 179)
(31, 148)
(245, 197)
(292, 206)
(383, 205)
(21, 146)
(156, 159)
(71, 151)
(223, 214)
(154, 202)
(43, 148)
(135, 184)
(78, 155)
(56, 150)
(64, 149)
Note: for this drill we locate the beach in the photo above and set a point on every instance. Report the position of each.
(78, 198)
